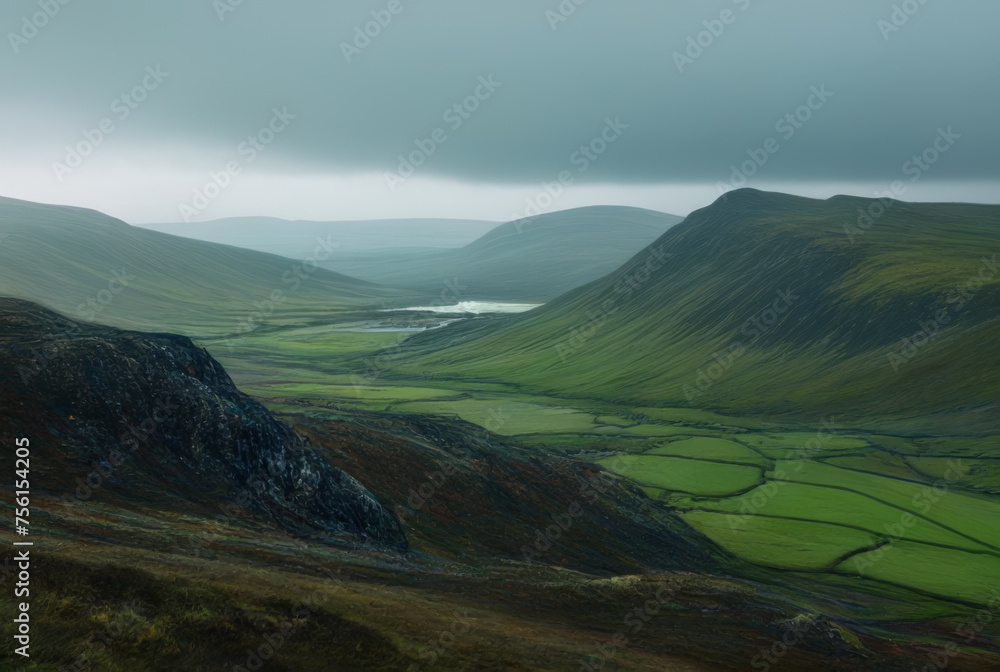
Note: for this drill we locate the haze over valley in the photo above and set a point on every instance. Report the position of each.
(567, 337)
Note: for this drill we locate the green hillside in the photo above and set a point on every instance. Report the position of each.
(773, 304)
(525, 260)
(96, 268)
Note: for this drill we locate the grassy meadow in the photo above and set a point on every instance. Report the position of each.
(838, 503)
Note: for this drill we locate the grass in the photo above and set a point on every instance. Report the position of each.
(314, 367)
(971, 515)
(709, 448)
(666, 325)
(508, 417)
(694, 416)
(782, 544)
(652, 430)
(687, 475)
(131, 617)
(165, 283)
(620, 402)
(947, 573)
(879, 462)
(826, 505)
(357, 392)
(779, 445)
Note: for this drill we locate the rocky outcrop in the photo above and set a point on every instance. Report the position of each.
(154, 413)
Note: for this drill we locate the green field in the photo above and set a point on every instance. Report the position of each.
(827, 495)
(710, 449)
(782, 544)
(696, 477)
(969, 577)
(849, 509)
(508, 417)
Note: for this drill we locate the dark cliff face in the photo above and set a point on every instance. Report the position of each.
(153, 413)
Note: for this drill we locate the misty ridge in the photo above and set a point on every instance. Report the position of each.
(562, 336)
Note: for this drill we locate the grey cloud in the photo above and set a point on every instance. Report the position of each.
(606, 59)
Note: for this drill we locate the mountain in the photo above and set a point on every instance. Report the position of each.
(152, 415)
(773, 304)
(98, 268)
(526, 260)
(296, 239)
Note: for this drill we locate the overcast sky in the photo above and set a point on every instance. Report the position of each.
(180, 86)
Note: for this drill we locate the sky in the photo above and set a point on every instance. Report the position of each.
(200, 109)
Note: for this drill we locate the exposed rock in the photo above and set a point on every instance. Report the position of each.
(154, 411)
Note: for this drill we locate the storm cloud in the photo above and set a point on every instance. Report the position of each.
(489, 95)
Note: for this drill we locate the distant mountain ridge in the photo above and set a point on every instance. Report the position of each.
(529, 260)
(295, 239)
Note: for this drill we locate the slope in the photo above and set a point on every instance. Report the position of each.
(774, 304)
(154, 417)
(94, 267)
(531, 260)
(296, 239)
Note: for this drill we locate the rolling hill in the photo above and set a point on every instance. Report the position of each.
(772, 304)
(527, 260)
(98, 268)
(296, 239)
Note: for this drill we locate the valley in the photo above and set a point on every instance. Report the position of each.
(850, 503)
(500, 337)
(533, 454)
